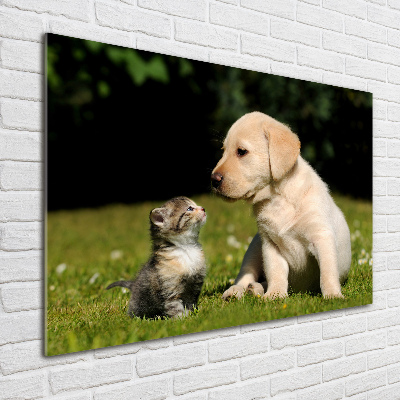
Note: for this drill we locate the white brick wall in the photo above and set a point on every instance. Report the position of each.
(353, 353)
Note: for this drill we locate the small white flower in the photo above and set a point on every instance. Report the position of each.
(370, 262)
(116, 254)
(356, 223)
(124, 290)
(249, 239)
(52, 288)
(231, 281)
(232, 241)
(363, 252)
(61, 268)
(228, 258)
(230, 228)
(93, 278)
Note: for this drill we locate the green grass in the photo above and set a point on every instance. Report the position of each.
(82, 315)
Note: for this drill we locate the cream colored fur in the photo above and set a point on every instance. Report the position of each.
(303, 240)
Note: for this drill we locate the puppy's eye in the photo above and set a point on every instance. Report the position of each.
(190, 209)
(241, 152)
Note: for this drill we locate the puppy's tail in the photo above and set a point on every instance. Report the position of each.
(125, 284)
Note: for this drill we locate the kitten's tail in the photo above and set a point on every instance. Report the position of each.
(125, 284)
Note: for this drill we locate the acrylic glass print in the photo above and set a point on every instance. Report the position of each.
(128, 130)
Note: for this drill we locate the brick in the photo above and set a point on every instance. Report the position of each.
(393, 225)
(193, 9)
(283, 9)
(365, 30)
(379, 110)
(75, 9)
(384, 54)
(319, 17)
(393, 336)
(316, 58)
(345, 81)
(206, 335)
(343, 327)
(115, 351)
(239, 61)
(393, 38)
(379, 147)
(203, 378)
(18, 327)
(269, 48)
(21, 266)
(267, 364)
(320, 316)
(394, 4)
(344, 44)
(379, 224)
(344, 367)
(22, 56)
(294, 380)
(131, 19)
(154, 389)
(393, 261)
(293, 32)
(315, 2)
(226, 349)
(384, 16)
(387, 242)
(386, 393)
(15, 296)
(386, 205)
(365, 342)
(382, 358)
(383, 91)
(393, 374)
(20, 176)
(393, 187)
(365, 69)
(205, 35)
(17, 25)
(379, 303)
(296, 335)
(247, 391)
(383, 319)
(21, 236)
(353, 8)
(387, 167)
(20, 146)
(379, 189)
(90, 375)
(22, 114)
(172, 48)
(87, 31)
(330, 391)
(386, 129)
(23, 386)
(295, 71)
(23, 206)
(393, 112)
(277, 323)
(365, 382)
(379, 262)
(83, 395)
(239, 18)
(393, 298)
(174, 359)
(394, 75)
(319, 353)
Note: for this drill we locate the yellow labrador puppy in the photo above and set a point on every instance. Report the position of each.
(303, 240)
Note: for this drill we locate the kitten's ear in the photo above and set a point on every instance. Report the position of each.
(157, 216)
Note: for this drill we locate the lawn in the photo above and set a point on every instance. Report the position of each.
(88, 249)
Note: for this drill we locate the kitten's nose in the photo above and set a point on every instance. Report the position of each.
(216, 180)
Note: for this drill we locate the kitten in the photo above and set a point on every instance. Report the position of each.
(169, 284)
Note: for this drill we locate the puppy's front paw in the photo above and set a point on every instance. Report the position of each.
(255, 289)
(274, 294)
(234, 291)
(333, 295)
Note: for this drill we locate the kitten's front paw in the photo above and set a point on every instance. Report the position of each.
(255, 289)
(274, 294)
(234, 291)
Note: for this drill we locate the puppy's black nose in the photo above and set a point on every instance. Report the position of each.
(216, 180)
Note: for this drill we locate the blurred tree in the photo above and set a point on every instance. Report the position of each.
(127, 125)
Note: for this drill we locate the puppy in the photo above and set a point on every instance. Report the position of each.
(303, 241)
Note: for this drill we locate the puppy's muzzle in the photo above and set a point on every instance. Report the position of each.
(216, 180)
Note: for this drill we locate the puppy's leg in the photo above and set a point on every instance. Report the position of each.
(276, 271)
(175, 309)
(324, 250)
(250, 270)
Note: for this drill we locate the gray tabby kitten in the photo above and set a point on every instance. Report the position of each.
(169, 284)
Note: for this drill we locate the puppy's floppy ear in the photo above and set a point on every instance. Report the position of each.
(284, 148)
(157, 216)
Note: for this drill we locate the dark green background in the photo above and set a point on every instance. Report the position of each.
(126, 125)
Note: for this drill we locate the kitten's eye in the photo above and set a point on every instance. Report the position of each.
(190, 209)
(241, 152)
